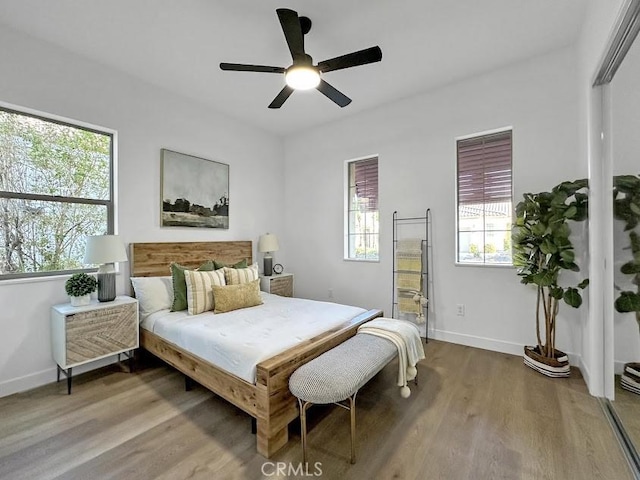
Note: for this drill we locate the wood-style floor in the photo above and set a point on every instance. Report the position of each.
(627, 407)
(474, 415)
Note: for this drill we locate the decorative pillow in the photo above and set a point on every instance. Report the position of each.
(180, 286)
(234, 297)
(153, 294)
(240, 264)
(236, 276)
(199, 289)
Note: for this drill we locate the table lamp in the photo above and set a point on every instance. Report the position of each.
(267, 244)
(105, 250)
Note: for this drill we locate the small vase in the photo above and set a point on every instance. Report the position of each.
(80, 301)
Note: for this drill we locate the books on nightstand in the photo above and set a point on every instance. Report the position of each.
(630, 378)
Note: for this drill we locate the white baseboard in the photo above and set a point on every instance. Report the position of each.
(44, 377)
(497, 346)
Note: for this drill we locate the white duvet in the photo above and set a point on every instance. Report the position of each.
(237, 341)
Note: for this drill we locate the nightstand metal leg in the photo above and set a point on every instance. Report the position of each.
(67, 373)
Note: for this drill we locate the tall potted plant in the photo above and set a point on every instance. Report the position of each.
(626, 207)
(542, 250)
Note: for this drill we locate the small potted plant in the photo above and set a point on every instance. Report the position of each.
(79, 288)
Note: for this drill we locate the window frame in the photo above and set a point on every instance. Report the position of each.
(482, 264)
(110, 203)
(347, 186)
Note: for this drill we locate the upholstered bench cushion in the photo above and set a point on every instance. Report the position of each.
(340, 372)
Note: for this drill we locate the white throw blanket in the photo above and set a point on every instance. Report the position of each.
(406, 337)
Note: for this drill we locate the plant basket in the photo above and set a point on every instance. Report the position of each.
(630, 378)
(556, 367)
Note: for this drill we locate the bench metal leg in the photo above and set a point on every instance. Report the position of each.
(352, 408)
(303, 425)
(303, 428)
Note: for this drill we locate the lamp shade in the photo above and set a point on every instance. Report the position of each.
(104, 249)
(268, 243)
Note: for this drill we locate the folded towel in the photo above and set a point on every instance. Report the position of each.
(406, 337)
(409, 281)
(409, 245)
(409, 305)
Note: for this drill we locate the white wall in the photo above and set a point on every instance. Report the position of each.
(414, 139)
(625, 95)
(597, 351)
(40, 76)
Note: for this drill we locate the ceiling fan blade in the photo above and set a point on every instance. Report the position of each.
(333, 94)
(281, 97)
(292, 32)
(239, 67)
(361, 57)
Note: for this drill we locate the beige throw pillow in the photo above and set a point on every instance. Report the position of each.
(199, 289)
(234, 297)
(236, 276)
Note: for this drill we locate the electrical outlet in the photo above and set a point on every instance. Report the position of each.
(330, 293)
(460, 309)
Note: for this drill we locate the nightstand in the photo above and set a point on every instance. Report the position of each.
(81, 335)
(281, 284)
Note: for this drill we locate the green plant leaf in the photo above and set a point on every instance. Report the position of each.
(630, 268)
(584, 283)
(571, 212)
(556, 292)
(545, 278)
(572, 297)
(539, 229)
(628, 302)
(568, 255)
(547, 247)
(634, 208)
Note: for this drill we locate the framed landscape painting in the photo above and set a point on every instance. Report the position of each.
(194, 191)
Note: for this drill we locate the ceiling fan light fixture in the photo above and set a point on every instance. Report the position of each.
(302, 77)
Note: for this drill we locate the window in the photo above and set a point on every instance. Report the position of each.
(56, 187)
(484, 199)
(362, 222)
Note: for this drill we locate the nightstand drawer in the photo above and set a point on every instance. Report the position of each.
(278, 284)
(282, 286)
(96, 333)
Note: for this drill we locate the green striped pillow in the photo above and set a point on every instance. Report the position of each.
(200, 289)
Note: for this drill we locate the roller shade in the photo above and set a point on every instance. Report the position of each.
(484, 169)
(366, 181)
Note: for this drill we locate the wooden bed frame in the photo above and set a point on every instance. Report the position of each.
(269, 400)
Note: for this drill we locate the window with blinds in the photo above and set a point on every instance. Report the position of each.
(362, 218)
(484, 198)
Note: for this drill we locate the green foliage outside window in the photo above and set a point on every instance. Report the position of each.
(54, 190)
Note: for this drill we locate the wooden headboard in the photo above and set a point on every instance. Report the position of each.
(153, 259)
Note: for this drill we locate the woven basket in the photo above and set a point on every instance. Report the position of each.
(557, 367)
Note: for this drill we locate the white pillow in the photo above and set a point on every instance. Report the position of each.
(153, 294)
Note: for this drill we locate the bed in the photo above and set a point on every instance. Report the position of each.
(268, 400)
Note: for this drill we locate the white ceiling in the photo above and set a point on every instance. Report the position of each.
(178, 45)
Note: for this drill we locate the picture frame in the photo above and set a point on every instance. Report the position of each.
(194, 191)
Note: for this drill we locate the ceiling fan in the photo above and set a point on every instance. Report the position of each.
(302, 74)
